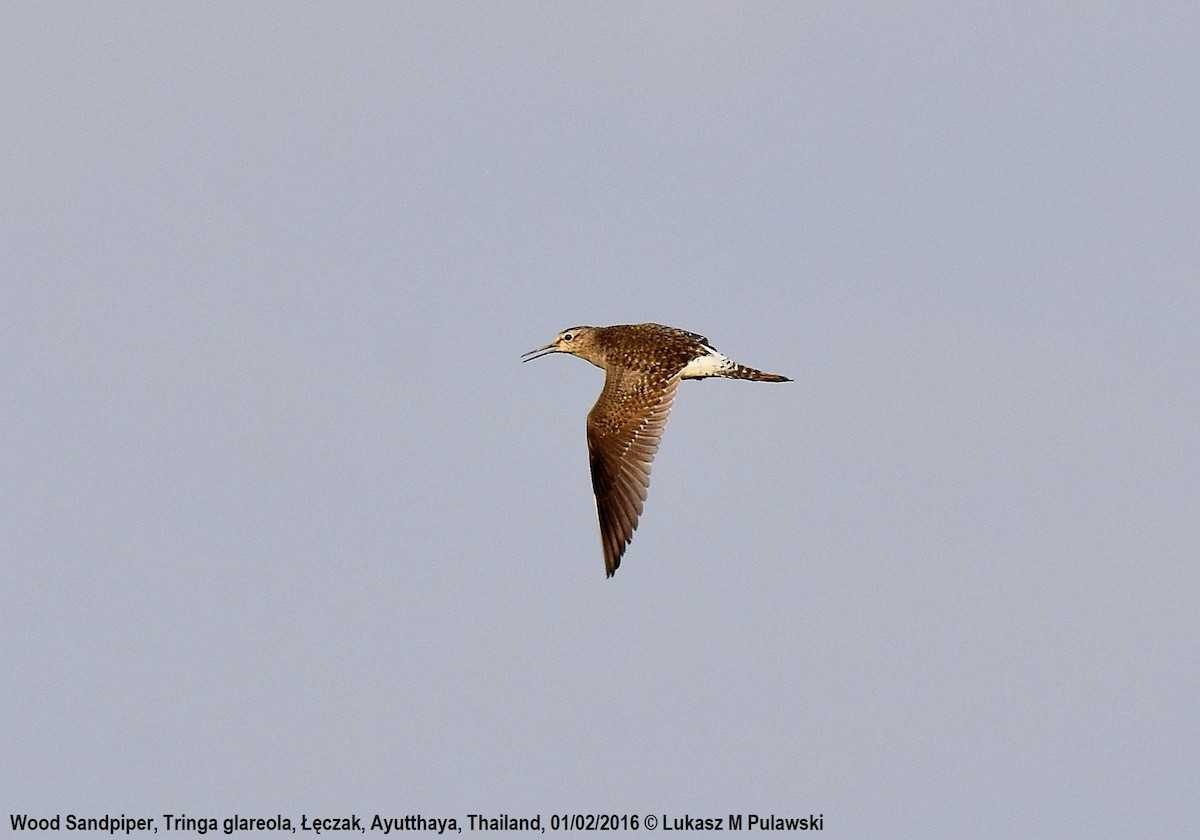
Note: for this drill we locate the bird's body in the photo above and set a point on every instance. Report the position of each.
(643, 366)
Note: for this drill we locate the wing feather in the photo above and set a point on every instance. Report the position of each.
(624, 430)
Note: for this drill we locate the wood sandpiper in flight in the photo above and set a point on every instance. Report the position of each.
(643, 364)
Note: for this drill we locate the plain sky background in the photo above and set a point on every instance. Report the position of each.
(287, 527)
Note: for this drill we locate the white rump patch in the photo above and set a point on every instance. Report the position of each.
(709, 365)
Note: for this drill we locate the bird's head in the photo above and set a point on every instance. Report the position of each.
(578, 341)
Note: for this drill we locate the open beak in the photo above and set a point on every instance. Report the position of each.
(538, 353)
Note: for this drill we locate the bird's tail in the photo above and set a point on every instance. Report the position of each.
(736, 371)
(712, 363)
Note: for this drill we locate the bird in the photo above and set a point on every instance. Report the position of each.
(643, 366)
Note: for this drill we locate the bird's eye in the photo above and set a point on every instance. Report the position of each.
(568, 336)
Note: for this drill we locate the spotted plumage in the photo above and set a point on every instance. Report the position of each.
(643, 365)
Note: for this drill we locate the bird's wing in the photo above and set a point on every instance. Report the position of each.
(624, 429)
(696, 337)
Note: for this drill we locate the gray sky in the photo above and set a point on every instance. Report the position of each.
(286, 526)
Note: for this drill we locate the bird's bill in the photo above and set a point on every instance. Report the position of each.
(541, 351)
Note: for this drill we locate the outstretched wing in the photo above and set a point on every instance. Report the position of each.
(624, 429)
